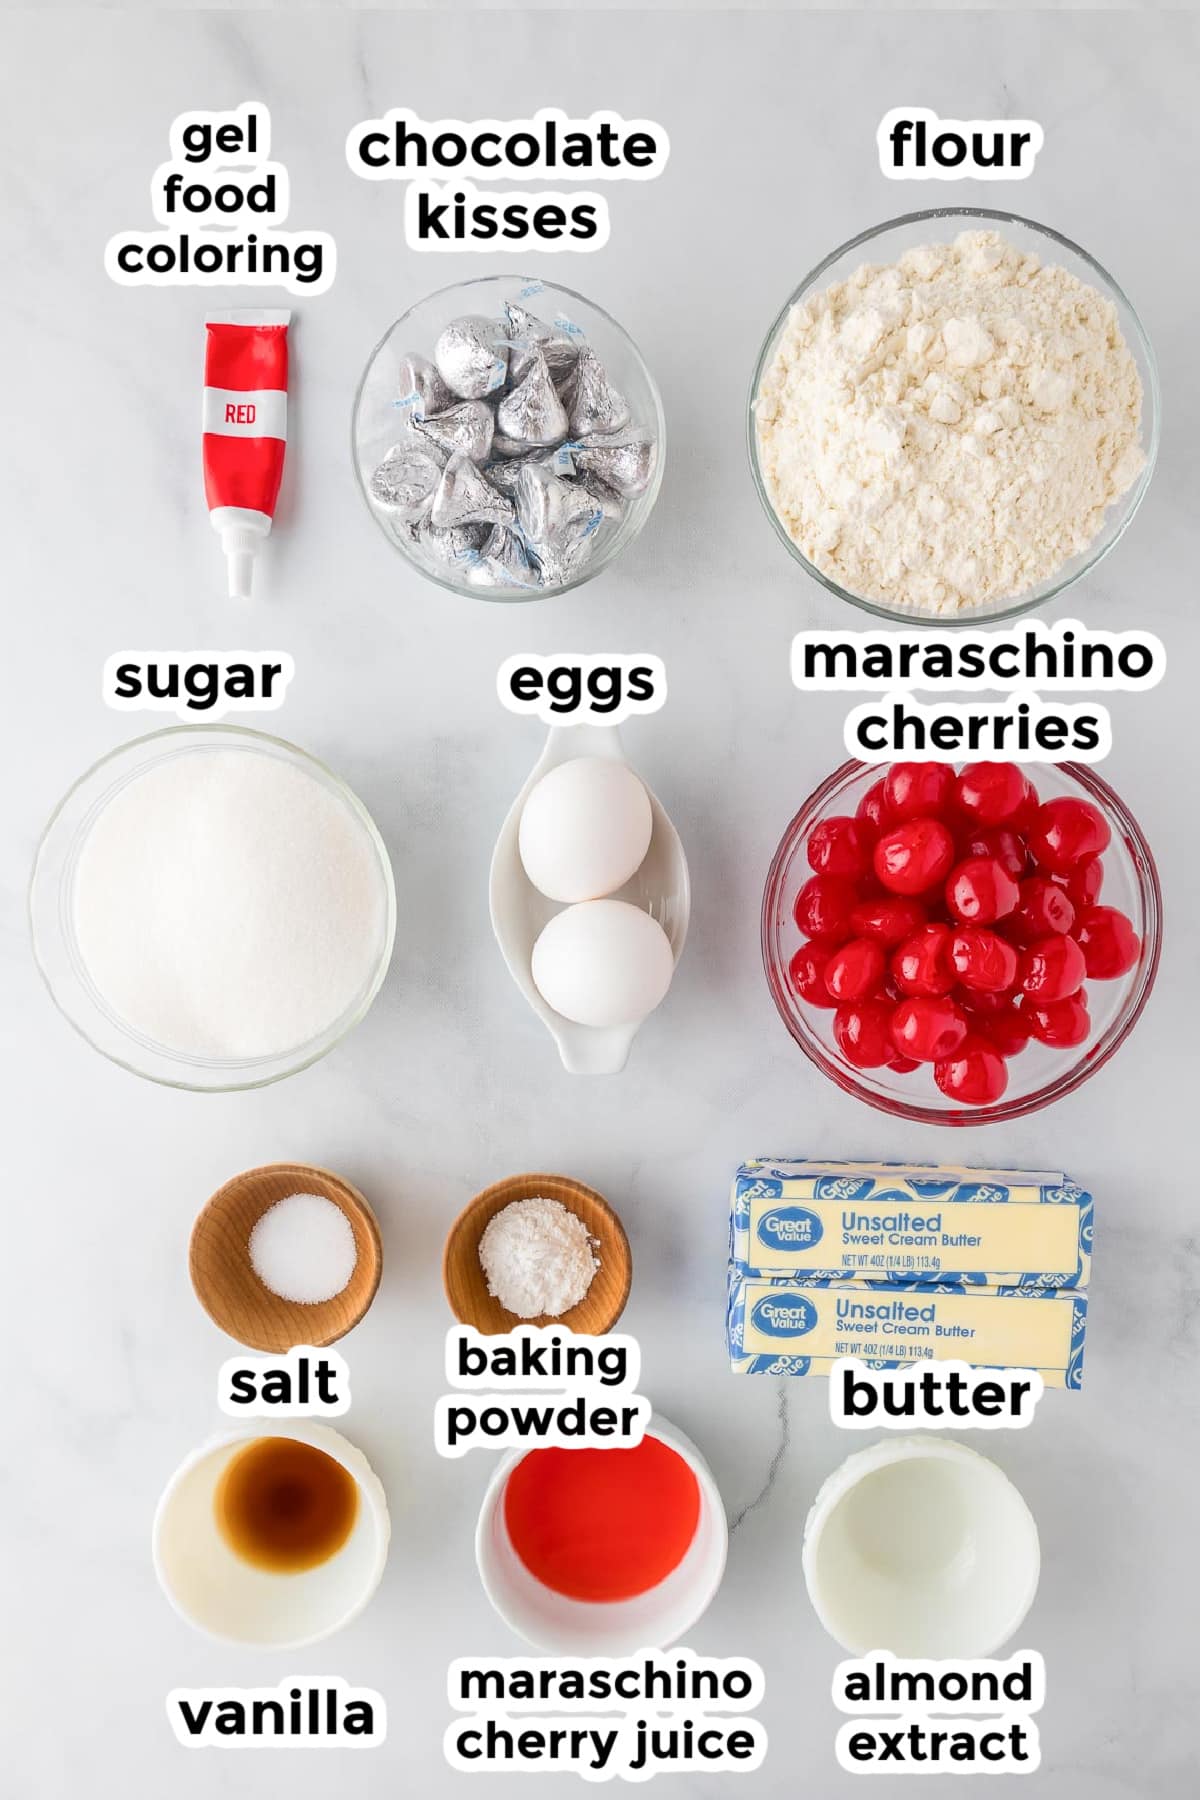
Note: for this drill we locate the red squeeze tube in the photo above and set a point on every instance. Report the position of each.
(245, 432)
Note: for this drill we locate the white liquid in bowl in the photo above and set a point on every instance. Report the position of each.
(922, 1548)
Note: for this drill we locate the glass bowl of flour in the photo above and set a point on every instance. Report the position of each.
(954, 417)
(212, 908)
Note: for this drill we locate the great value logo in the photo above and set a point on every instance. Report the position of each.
(844, 1187)
(790, 1228)
(783, 1315)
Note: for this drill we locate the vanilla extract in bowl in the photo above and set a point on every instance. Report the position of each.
(285, 1506)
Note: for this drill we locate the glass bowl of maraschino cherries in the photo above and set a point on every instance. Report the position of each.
(959, 945)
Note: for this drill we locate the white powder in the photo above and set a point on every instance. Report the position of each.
(228, 905)
(949, 431)
(537, 1257)
(303, 1249)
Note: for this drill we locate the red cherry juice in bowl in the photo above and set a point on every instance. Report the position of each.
(964, 877)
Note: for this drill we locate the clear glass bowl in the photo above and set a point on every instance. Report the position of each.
(52, 914)
(884, 244)
(378, 421)
(1038, 1075)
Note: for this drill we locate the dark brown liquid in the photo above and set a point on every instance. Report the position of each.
(285, 1505)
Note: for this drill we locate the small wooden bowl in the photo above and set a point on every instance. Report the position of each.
(465, 1283)
(232, 1294)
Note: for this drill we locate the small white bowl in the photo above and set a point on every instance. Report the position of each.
(652, 1620)
(923, 1547)
(220, 1594)
(661, 887)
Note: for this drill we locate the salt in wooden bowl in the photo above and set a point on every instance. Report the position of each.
(230, 1291)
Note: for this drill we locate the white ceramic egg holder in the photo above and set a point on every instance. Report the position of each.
(660, 887)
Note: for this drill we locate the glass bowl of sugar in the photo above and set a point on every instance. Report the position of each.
(954, 417)
(212, 908)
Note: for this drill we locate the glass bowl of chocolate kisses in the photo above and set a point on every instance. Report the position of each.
(508, 438)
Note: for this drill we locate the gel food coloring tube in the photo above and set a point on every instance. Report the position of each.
(245, 432)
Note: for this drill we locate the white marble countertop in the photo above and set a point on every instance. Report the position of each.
(451, 1082)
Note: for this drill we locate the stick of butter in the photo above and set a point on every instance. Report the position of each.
(781, 1327)
(910, 1222)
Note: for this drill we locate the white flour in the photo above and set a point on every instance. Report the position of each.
(948, 432)
(537, 1257)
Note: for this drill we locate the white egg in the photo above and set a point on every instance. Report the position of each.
(603, 963)
(585, 829)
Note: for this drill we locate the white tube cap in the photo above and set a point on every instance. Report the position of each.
(241, 548)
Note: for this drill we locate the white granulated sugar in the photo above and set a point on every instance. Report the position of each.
(227, 904)
(537, 1257)
(303, 1249)
(948, 432)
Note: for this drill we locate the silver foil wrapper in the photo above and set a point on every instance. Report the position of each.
(465, 497)
(405, 480)
(421, 390)
(530, 335)
(468, 425)
(472, 356)
(595, 404)
(521, 460)
(454, 550)
(532, 414)
(563, 561)
(611, 505)
(505, 472)
(624, 461)
(505, 446)
(551, 511)
(504, 562)
(429, 544)
(559, 460)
